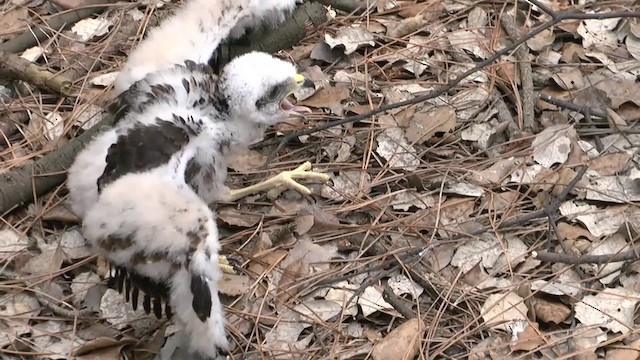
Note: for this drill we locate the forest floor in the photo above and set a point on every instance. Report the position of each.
(493, 215)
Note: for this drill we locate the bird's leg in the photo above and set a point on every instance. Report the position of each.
(284, 179)
(225, 265)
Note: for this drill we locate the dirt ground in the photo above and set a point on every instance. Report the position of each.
(483, 200)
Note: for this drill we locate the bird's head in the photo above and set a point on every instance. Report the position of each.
(257, 86)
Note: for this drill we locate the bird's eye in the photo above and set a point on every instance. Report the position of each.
(273, 93)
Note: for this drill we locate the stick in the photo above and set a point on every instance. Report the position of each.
(59, 22)
(14, 67)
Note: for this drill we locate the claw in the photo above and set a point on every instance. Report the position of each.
(284, 179)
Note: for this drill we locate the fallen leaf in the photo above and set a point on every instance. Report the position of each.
(613, 309)
(371, 301)
(553, 145)
(351, 38)
(402, 343)
(499, 311)
(426, 124)
(348, 184)
(400, 284)
(393, 146)
(529, 339)
(551, 311)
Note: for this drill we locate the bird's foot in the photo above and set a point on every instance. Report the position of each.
(285, 179)
(228, 265)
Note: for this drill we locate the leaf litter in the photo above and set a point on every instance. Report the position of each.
(362, 267)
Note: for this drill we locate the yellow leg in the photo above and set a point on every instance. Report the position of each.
(284, 179)
(226, 266)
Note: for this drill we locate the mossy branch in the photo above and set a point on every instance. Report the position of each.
(16, 68)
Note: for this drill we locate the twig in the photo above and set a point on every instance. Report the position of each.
(14, 67)
(19, 187)
(549, 257)
(526, 74)
(584, 110)
(46, 301)
(557, 17)
(398, 303)
(59, 22)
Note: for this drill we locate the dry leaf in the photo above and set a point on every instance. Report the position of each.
(351, 38)
(551, 311)
(424, 125)
(501, 310)
(393, 146)
(402, 343)
(529, 339)
(613, 309)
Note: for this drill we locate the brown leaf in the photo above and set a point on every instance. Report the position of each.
(551, 312)
(246, 161)
(529, 339)
(329, 97)
(426, 124)
(103, 348)
(234, 285)
(620, 351)
(610, 164)
(402, 343)
(232, 216)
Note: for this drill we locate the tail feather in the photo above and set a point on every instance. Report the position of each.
(201, 297)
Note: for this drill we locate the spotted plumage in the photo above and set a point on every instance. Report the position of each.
(142, 188)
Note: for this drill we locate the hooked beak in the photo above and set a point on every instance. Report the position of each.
(299, 82)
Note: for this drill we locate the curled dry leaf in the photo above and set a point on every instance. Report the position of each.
(501, 310)
(340, 293)
(89, 28)
(474, 252)
(372, 301)
(553, 145)
(284, 336)
(348, 184)
(402, 343)
(393, 146)
(551, 311)
(400, 285)
(426, 124)
(529, 339)
(11, 243)
(599, 222)
(405, 200)
(55, 339)
(351, 38)
(612, 309)
(612, 245)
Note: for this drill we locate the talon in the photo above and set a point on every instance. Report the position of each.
(284, 179)
(227, 265)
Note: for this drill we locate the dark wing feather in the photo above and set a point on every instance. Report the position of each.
(143, 148)
(201, 297)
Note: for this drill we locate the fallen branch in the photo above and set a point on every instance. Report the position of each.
(20, 186)
(62, 21)
(15, 67)
(549, 257)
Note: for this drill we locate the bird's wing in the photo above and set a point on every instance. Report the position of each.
(159, 233)
(142, 148)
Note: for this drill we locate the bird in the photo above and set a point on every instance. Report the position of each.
(142, 188)
(194, 33)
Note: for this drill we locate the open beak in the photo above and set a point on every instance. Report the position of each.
(286, 105)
